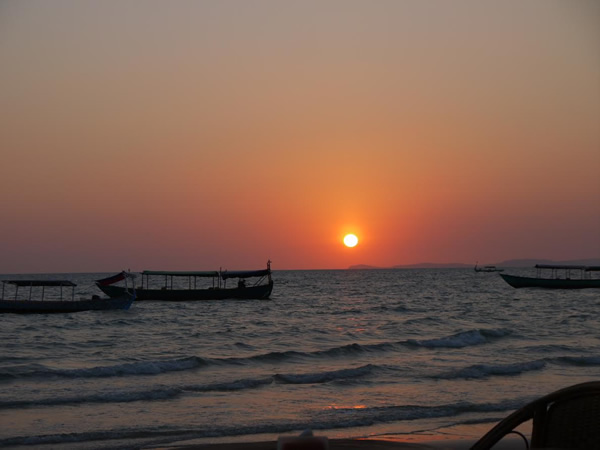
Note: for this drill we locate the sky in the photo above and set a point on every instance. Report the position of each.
(193, 135)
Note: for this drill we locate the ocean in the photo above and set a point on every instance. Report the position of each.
(346, 353)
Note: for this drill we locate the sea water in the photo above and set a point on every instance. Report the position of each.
(348, 353)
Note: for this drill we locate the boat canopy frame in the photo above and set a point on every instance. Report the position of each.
(39, 283)
(171, 275)
(220, 276)
(557, 269)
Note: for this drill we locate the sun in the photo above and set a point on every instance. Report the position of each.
(350, 240)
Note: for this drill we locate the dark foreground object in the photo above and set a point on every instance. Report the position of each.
(566, 419)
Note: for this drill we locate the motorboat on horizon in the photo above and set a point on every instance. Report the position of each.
(487, 268)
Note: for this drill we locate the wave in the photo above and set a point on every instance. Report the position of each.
(479, 371)
(170, 392)
(290, 355)
(462, 339)
(324, 377)
(333, 418)
(163, 393)
(458, 340)
(488, 370)
(180, 364)
(136, 368)
(579, 360)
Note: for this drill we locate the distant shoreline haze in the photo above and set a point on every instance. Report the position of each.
(507, 263)
(510, 263)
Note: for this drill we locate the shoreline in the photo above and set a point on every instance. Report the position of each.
(433, 443)
(457, 437)
(335, 444)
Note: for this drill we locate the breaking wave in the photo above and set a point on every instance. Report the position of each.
(169, 392)
(462, 339)
(458, 340)
(118, 370)
(579, 360)
(488, 370)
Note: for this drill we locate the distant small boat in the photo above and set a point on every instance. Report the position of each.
(487, 269)
(583, 279)
(36, 301)
(183, 286)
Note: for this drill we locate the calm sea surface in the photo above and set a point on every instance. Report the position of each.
(345, 353)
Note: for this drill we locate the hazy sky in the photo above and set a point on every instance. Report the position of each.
(205, 134)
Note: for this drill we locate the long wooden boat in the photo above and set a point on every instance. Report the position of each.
(559, 278)
(36, 301)
(198, 285)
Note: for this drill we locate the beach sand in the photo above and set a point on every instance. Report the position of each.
(334, 444)
(457, 437)
(389, 442)
(360, 444)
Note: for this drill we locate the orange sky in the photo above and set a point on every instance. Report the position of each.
(197, 135)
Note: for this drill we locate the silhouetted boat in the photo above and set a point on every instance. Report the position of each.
(37, 302)
(182, 286)
(554, 281)
(487, 269)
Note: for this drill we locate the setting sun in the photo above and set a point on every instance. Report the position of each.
(350, 240)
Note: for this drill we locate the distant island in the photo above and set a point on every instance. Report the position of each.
(507, 263)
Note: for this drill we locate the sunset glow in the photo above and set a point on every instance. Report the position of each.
(194, 135)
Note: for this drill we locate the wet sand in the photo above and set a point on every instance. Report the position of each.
(335, 444)
(360, 444)
(453, 438)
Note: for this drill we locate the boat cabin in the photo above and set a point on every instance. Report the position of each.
(261, 276)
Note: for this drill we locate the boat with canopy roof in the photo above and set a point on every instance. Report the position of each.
(48, 296)
(197, 285)
(560, 277)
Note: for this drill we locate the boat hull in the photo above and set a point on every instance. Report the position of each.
(260, 292)
(550, 283)
(65, 306)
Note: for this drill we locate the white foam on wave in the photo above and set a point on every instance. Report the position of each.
(460, 340)
(135, 368)
(170, 392)
(479, 371)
